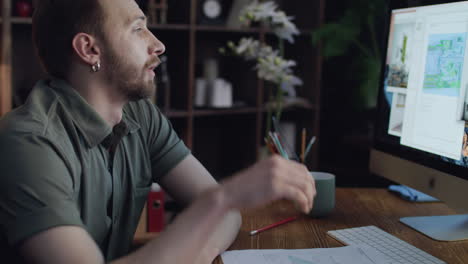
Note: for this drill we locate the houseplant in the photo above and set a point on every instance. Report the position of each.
(355, 36)
(270, 63)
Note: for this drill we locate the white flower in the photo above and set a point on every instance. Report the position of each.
(248, 47)
(270, 65)
(259, 11)
(287, 29)
(267, 12)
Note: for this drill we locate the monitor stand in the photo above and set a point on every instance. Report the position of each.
(442, 228)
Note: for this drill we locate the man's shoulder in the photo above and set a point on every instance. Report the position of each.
(33, 117)
(36, 120)
(29, 145)
(143, 111)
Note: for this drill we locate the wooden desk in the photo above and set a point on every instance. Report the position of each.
(354, 207)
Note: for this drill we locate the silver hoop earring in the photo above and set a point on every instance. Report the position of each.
(96, 67)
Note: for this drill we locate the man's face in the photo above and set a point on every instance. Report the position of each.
(130, 50)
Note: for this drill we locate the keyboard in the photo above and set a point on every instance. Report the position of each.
(397, 250)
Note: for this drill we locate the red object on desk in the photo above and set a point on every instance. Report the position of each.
(155, 207)
(287, 220)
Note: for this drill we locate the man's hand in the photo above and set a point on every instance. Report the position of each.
(268, 180)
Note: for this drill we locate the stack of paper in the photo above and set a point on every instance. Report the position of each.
(342, 255)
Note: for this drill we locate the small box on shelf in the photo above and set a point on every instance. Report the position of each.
(23, 8)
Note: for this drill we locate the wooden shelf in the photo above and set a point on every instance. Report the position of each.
(300, 105)
(206, 28)
(244, 110)
(182, 27)
(170, 27)
(28, 20)
(226, 111)
(200, 112)
(302, 31)
(21, 20)
(176, 113)
(210, 28)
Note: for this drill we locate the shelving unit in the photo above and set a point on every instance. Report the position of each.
(225, 140)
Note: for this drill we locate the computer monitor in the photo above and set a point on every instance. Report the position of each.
(421, 128)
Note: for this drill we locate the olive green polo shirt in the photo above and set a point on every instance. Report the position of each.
(62, 164)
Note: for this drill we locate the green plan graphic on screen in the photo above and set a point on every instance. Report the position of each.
(444, 64)
(296, 260)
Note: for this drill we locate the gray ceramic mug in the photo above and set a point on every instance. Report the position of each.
(324, 201)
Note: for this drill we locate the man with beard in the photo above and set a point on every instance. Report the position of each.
(78, 158)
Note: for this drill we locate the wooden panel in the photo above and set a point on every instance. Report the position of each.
(5, 59)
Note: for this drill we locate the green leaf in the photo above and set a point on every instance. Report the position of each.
(368, 74)
(336, 38)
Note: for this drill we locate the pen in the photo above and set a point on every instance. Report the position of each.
(287, 220)
(303, 145)
(280, 146)
(309, 146)
(277, 144)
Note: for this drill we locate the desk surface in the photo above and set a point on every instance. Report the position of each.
(354, 207)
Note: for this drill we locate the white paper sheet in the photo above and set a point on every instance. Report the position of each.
(341, 255)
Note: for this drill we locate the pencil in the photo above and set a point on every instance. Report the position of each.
(303, 142)
(287, 220)
(270, 147)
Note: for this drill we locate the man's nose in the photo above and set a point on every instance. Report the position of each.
(157, 47)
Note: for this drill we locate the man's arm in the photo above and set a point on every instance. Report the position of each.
(186, 237)
(185, 183)
(181, 242)
(62, 244)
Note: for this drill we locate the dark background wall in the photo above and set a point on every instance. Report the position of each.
(346, 124)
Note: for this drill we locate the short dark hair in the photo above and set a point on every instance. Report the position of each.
(55, 24)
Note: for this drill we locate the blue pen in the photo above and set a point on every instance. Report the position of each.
(309, 146)
(275, 139)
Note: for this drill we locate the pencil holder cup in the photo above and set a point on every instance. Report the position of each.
(324, 201)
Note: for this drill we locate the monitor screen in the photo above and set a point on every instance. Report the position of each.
(423, 98)
(421, 128)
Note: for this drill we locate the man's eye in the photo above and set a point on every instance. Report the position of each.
(138, 29)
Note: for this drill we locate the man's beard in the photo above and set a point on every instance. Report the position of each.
(129, 80)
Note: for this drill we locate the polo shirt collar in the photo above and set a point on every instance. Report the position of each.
(88, 121)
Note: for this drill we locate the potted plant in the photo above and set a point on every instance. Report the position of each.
(270, 63)
(355, 35)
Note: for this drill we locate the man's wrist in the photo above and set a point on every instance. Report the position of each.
(221, 198)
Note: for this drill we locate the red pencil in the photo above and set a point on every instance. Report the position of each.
(287, 220)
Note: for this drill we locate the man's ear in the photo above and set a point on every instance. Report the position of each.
(86, 48)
